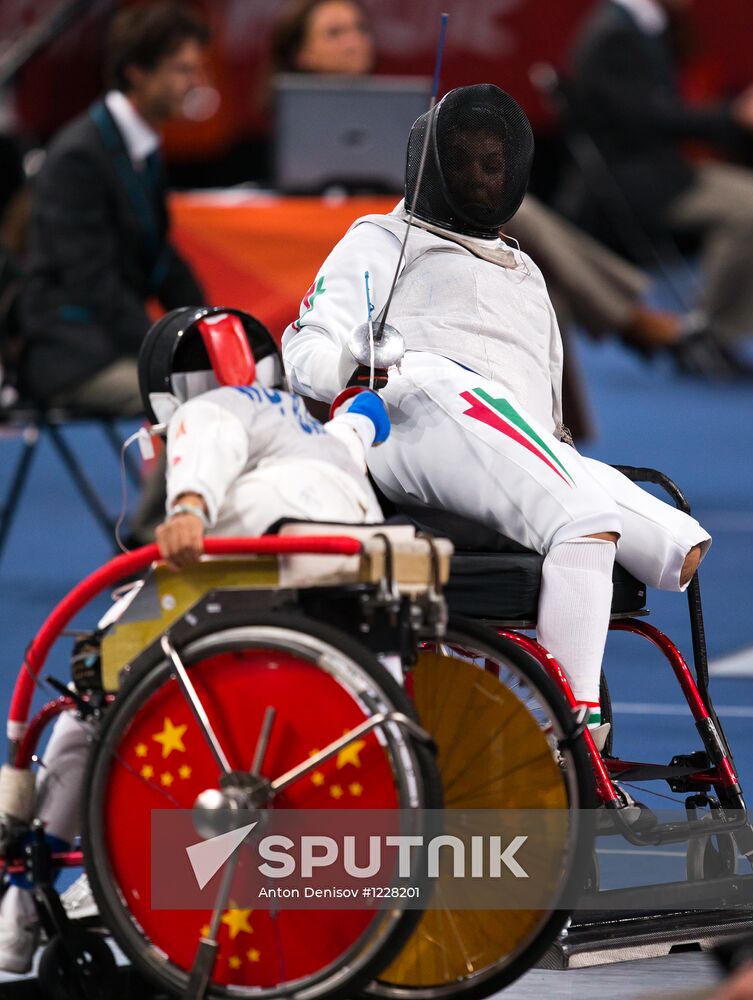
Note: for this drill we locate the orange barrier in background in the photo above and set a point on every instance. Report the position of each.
(261, 252)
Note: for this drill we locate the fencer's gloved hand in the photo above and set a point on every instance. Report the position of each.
(351, 372)
(358, 403)
(362, 376)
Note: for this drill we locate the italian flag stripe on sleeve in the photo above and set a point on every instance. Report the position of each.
(315, 290)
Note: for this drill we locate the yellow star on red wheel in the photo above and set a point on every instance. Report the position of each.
(147, 771)
(237, 922)
(253, 955)
(171, 737)
(234, 962)
(349, 754)
(184, 771)
(141, 749)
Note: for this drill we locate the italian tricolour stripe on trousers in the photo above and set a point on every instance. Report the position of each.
(502, 416)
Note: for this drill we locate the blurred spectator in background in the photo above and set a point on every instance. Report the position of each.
(627, 94)
(588, 283)
(98, 244)
(323, 36)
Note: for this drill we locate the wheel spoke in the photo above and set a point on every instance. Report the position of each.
(263, 742)
(311, 763)
(194, 702)
(206, 952)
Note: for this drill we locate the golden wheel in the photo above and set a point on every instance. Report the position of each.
(501, 728)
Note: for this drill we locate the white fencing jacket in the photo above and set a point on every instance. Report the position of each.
(493, 318)
(255, 455)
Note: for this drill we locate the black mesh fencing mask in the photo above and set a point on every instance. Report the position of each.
(477, 163)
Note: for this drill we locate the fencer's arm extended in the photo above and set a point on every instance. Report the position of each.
(336, 302)
(359, 422)
(180, 538)
(207, 449)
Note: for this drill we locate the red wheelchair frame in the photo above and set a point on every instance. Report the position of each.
(683, 773)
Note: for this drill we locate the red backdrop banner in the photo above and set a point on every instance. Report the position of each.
(494, 41)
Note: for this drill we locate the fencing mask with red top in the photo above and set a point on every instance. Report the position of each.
(192, 350)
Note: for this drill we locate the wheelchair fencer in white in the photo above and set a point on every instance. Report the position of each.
(475, 405)
(242, 454)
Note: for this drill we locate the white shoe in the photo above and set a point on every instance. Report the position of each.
(78, 900)
(19, 931)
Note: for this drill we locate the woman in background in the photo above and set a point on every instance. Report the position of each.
(323, 36)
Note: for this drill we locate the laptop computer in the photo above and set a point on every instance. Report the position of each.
(333, 131)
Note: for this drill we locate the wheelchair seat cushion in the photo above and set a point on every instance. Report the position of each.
(492, 576)
(505, 586)
(502, 584)
(465, 535)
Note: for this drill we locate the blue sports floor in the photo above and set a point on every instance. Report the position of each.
(700, 435)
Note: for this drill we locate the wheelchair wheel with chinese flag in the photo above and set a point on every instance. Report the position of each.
(154, 762)
(505, 744)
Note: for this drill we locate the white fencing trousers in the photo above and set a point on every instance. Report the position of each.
(460, 442)
(60, 785)
(299, 489)
(60, 780)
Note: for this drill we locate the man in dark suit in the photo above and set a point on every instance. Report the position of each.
(626, 92)
(99, 242)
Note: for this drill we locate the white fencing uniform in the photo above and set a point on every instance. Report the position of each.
(476, 405)
(255, 455)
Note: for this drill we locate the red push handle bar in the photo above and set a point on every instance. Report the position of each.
(134, 562)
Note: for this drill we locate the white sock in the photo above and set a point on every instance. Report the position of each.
(574, 607)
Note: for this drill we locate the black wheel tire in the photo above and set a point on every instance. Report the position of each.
(469, 633)
(80, 968)
(711, 857)
(157, 971)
